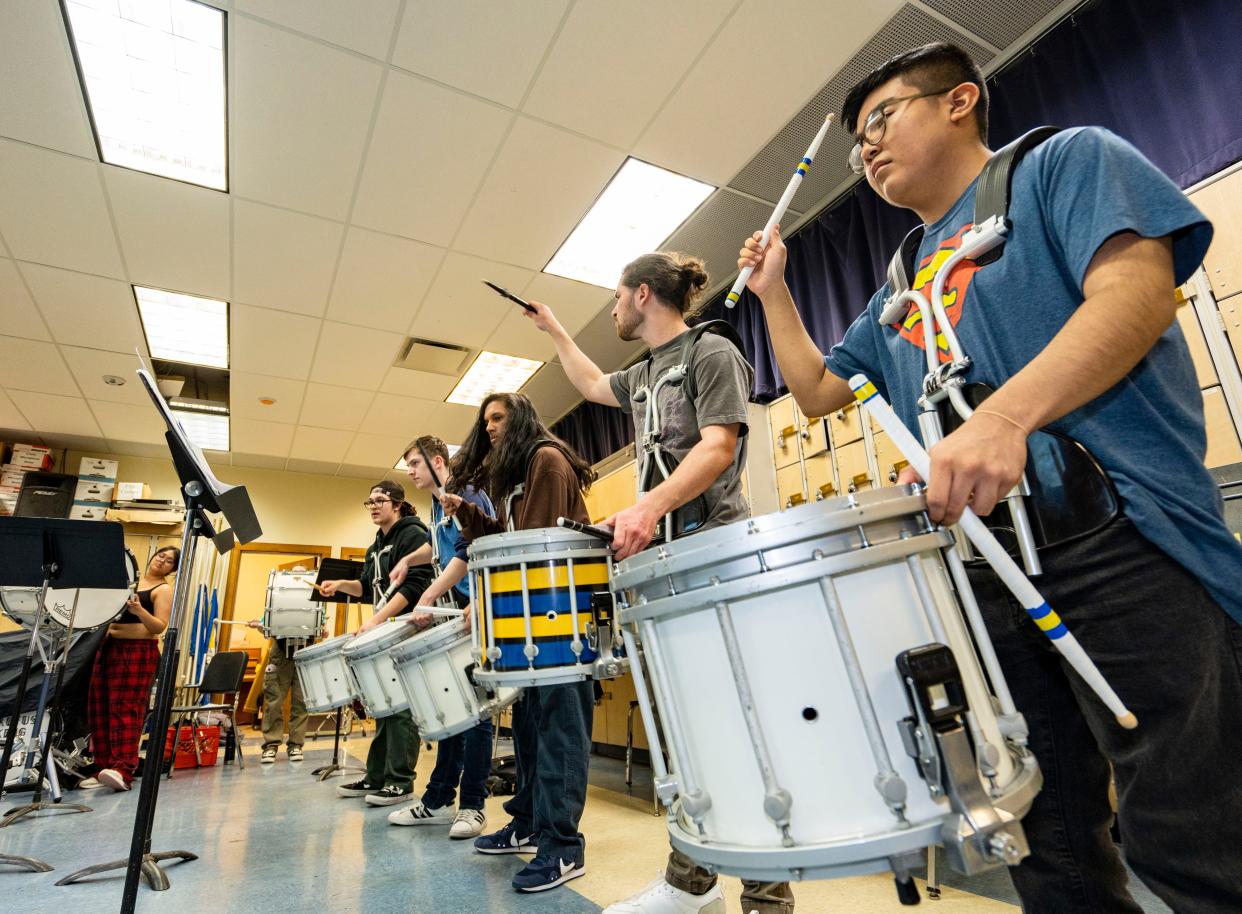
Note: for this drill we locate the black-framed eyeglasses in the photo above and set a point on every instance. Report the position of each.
(375, 503)
(877, 120)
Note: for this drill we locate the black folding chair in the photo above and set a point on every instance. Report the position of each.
(223, 674)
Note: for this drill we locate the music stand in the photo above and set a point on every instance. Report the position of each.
(337, 570)
(203, 493)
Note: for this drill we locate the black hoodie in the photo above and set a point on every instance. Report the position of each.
(402, 538)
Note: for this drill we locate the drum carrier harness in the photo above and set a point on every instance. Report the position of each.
(655, 462)
(1064, 494)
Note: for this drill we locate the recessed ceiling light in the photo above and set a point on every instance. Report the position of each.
(184, 328)
(267, 401)
(641, 206)
(210, 431)
(113, 380)
(153, 76)
(492, 372)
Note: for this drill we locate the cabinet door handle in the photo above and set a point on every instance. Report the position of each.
(827, 490)
(896, 469)
(787, 432)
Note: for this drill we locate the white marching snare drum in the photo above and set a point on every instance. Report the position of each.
(543, 608)
(326, 680)
(95, 606)
(435, 668)
(773, 646)
(292, 610)
(370, 663)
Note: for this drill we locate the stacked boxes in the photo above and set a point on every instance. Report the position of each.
(96, 485)
(25, 457)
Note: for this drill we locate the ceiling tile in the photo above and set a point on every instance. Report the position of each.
(551, 391)
(34, 365)
(52, 210)
(341, 408)
(10, 416)
(129, 423)
(518, 335)
(318, 467)
(298, 129)
(401, 416)
(796, 62)
(272, 342)
(459, 308)
(381, 279)
(18, 315)
(425, 385)
(354, 356)
(258, 461)
(86, 310)
(470, 45)
(50, 414)
(366, 28)
(139, 449)
(379, 451)
(606, 76)
(91, 444)
(246, 388)
(542, 184)
(321, 445)
(429, 152)
(89, 367)
(174, 235)
(283, 260)
(574, 303)
(368, 472)
(453, 422)
(42, 98)
(253, 436)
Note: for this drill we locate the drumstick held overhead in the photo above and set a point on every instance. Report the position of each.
(777, 214)
(1004, 566)
(501, 290)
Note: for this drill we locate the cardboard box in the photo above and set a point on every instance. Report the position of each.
(8, 504)
(90, 490)
(31, 460)
(11, 476)
(139, 516)
(97, 468)
(85, 510)
(128, 491)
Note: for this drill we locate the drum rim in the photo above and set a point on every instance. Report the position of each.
(744, 537)
(536, 536)
(325, 647)
(430, 641)
(378, 643)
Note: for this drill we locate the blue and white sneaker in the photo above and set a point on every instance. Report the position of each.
(547, 872)
(506, 841)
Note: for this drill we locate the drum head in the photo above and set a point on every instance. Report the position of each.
(20, 604)
(95, 607)
(380, 638)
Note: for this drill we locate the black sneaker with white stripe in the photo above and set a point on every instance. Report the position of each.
(419, 814)
(356, 789)
(391, 795)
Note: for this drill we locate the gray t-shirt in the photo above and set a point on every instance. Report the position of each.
(723, 382)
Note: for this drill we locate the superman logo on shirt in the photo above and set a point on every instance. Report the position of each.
(954, 295)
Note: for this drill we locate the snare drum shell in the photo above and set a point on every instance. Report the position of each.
(327, 683)
(371, 664)
(291, 610)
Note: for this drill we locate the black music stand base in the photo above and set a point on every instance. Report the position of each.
(30, 808)
(326, 771)
(151, 872)
(30, 863)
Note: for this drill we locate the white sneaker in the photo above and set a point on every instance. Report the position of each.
(418, 814)
(89, 784)
(662, 898)
(468, 824)
(268, 757)
(112, 778)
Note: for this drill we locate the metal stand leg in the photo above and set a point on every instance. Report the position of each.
(933, 884)
(39, 804)
(326, 771)
(149, 869)
(30, 863)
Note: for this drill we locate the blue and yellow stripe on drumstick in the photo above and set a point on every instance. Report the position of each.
(803, 167)
(1048, 621)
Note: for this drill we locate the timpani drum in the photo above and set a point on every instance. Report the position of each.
(822, 697)
(544, 609)
(370, 663)
(436, 669)
(95, 606)
(292, 610)
(327, 683)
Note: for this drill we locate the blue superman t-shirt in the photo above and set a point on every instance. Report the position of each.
(1069, 195)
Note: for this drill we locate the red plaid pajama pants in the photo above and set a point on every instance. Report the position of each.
(119, 693)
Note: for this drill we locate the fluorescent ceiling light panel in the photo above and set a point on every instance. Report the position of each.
(153, 75)
(210, 431)
(184, 328)
(492, 372)
(641, 206)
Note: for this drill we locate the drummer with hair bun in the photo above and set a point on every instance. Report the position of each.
(394, 751)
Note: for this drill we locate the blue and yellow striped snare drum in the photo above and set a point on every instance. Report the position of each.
(543, 608)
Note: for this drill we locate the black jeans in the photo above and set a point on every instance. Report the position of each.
(1172, 654)
(552, 742)
(466, 757)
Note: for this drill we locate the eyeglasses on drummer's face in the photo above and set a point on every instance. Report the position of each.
(873, 127)
(376, 503)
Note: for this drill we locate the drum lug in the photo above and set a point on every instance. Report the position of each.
(666, 789)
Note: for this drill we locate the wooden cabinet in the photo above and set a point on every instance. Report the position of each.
(1204, 369)
(853, 467)
(1231, 316)
(814, 437)
(789, 488)
(612, 714)
(846, 425)
(1222, 438)
(783, 421)
(1221, 202)
(821, 479)
(889, 459)
(612, 492)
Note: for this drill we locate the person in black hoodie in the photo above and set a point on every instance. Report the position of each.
(394, 751)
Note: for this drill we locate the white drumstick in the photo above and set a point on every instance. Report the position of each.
(1005, 567)
(783, 204)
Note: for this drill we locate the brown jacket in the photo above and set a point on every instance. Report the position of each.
(551, 491)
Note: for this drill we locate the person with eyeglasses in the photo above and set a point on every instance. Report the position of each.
(394, 750)
(1073, 329)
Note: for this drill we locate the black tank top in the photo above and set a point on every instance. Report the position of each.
(145, 601)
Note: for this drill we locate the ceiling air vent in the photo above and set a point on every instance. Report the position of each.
(433, 356)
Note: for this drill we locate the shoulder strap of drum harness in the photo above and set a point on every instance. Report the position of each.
(519, 490)
(655, 462)
(1065, 494)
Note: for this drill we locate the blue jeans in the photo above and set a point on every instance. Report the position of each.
(464, 758)
(1173, 655)
(552, 741)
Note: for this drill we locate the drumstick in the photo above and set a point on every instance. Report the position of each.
(602, 533)
(501, 290)
(786, 198)
(1005, 567)
(435, 477)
